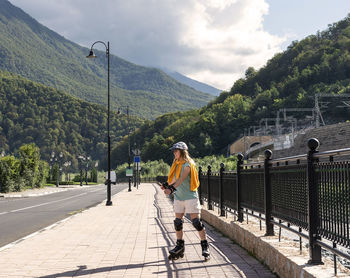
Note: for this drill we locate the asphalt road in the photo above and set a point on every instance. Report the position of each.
(20, 217)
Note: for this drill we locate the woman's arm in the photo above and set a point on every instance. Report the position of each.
(185, 173)
(183, 176)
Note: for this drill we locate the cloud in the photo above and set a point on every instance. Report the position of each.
(213, 41)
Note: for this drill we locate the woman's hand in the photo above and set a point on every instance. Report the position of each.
(167, 191)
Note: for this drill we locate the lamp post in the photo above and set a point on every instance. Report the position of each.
(84, 161)
(95, 172)
(80, 157)
(129, 162)
(51, 165)
(57, 158)
(92, 55)
(66, 166)
(86, 170)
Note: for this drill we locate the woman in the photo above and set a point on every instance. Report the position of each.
(183, 183)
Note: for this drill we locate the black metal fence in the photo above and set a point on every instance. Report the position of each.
(310, 191)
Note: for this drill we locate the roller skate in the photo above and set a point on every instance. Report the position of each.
(178, 251)
(205, 250)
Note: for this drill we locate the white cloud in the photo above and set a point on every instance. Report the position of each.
(213, 41)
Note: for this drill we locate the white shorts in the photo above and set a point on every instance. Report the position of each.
(187, 206)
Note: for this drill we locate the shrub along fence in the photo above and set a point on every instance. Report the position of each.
(309, 191)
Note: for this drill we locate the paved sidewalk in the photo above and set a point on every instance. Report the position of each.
(129, 239)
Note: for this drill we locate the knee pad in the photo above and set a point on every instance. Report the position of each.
(178, 224)
(197, 223)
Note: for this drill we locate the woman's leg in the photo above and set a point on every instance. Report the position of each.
(197, 223)
(179, 234)
(202, 233)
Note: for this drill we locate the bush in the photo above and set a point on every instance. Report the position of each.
(27, 171)
(152, 169)
(9, 173)
(29, 157)
(230, 163)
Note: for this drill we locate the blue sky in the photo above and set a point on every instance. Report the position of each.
(212, 41)
(300, 18)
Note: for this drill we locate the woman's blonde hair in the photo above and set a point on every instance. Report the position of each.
(186, 156)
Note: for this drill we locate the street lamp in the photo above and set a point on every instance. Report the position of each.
(92, 55)
(95, 172)
(83, 159)
(129, 162)
(66, 165)
(51, 165)
(86, 170)
(58, 159)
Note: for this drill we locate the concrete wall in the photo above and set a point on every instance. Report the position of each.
(331, 137)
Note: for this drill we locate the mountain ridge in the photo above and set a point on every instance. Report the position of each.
(199, 86)
(32, 50)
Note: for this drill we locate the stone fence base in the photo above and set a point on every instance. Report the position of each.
(283, 258)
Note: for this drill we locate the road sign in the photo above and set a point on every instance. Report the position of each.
(129, 172)
(137, 159)
(136, 152)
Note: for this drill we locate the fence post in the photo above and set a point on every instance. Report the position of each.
(313, 215)
(200, 187)
(222, 210)
(210, 206)
(268, 200)
(238, 187)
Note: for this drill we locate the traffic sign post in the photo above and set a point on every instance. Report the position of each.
(129, 172)
(137, 159)
(137, 167)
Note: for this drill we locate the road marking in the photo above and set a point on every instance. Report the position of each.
(47, 203)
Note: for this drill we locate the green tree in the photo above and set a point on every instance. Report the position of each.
(9, 174)
(29, 157)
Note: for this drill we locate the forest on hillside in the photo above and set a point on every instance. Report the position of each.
(55, 121)
(318, 64)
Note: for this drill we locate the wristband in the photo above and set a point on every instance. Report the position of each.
(172, 188)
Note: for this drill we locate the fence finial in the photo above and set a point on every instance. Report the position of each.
(268, 154)
(313, 144)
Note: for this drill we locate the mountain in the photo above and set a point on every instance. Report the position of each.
(199, 86)
(318, 64)
(33, 51)
(55, 121)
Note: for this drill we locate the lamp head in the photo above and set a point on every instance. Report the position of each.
(91, 54)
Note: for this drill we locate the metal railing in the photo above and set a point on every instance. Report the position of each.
(310, 191)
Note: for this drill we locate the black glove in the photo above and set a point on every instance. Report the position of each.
(170, 187)
(165, 184)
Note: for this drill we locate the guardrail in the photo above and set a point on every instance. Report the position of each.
(309, 191)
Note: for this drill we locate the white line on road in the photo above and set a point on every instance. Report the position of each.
(43, 204)
(48, 203)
